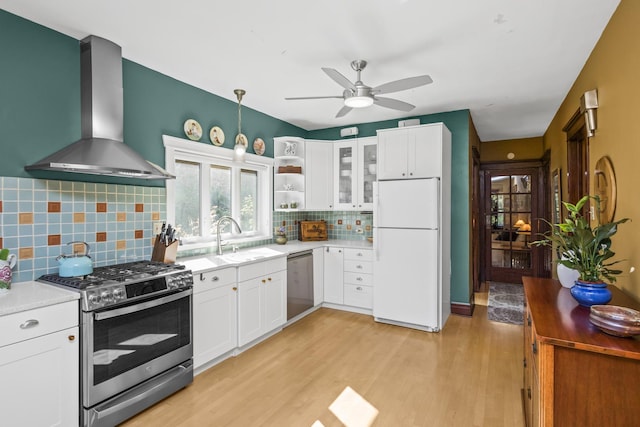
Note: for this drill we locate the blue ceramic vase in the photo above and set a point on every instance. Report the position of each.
(590, 293)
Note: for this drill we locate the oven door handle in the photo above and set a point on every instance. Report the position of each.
(141, 306)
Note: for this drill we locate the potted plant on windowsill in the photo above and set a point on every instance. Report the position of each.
(586, 250)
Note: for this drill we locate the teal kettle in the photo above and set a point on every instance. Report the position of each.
(75, 264)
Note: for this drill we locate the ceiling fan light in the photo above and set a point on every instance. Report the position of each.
(358, 101)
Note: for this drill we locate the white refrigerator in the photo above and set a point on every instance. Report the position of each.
(409, 255)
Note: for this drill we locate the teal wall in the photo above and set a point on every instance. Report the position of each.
(40, 105)
(458, 124)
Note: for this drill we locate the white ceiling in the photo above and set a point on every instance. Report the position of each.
(510, 62)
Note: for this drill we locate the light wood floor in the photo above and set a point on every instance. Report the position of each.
(470, 374)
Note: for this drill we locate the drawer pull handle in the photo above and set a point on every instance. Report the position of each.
(31, 323)
(534, 347)
(215, 278)
(359, 266)
(264, 281)
(359, 253)
(359, 279)
(359, 288)
(269, 279)
(234, 288)
(72, 337)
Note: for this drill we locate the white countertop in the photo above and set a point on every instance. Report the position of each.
(201, 263)
(29, 295)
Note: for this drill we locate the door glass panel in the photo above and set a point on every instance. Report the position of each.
(368, 172)
(345, 169)
(511, 221)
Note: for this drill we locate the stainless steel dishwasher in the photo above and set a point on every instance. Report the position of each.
(299, 283)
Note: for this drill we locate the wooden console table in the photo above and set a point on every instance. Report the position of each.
(574, 374)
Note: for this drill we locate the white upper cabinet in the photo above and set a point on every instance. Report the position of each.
(344, 161)
(319, 175)
(367, 170)
(412, 152)
(354, 173)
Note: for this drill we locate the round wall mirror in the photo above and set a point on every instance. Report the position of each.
(605, 187)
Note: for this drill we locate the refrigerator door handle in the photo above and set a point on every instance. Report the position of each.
(376, 249)
(376, 206)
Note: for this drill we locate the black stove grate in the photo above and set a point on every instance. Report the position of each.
(111, 273)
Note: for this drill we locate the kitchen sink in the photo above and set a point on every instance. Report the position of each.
(249, 255)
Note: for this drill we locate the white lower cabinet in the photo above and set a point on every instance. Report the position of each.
(333, 275)
(348, 277)
(358, 278)
(262, 298)
(215, 322)
(40, 375)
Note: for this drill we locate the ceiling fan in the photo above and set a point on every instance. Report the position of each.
(359, 95)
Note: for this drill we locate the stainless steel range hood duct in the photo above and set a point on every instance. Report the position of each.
(101, 150)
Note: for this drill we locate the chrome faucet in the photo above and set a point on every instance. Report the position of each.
(218, 224)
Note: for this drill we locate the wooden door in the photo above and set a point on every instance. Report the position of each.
(476, 273)
(512, 202)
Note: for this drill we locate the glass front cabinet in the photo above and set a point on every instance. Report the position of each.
(355, 173)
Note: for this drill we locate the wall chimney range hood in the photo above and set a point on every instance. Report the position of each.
(101, 150)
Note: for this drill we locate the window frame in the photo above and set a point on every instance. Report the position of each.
(206, 155)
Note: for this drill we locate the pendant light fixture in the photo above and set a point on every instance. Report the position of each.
(241, 140)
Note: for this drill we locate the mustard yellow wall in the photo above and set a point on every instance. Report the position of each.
(523, 148)
(614, 70)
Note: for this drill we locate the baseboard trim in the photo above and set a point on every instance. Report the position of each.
(462, 309)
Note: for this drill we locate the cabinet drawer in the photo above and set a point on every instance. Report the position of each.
(213, 279)
(358, 266)
(251, 271)
(358, 254)
(358, 296)
(29, 324)
(358, 278)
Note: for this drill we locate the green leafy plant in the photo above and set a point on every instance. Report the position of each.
(583, 248)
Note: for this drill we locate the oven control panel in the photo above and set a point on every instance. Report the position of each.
(110, 294)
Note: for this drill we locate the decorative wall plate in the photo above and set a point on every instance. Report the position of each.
(258, 146)
(217, 136)
(605, 186)
(241, 138)
(193, 130)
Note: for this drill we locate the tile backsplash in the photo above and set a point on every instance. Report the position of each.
(342, 225)
(39, 217)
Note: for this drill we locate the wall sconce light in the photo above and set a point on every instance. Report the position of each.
(588, 107)
(241, 140)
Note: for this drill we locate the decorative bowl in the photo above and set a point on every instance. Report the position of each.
(616, 320)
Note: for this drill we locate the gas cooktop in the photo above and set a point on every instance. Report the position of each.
(118, 273)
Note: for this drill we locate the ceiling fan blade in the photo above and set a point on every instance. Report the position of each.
(393, 104)
(312, 97)
(339, 78)
(402, 84)
(343, 111)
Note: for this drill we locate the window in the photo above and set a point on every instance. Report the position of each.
(209, 184)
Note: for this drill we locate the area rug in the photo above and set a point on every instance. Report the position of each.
(506, 303)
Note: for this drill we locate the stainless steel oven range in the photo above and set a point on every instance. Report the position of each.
(136, 330)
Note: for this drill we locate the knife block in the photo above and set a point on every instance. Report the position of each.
(162, 253)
